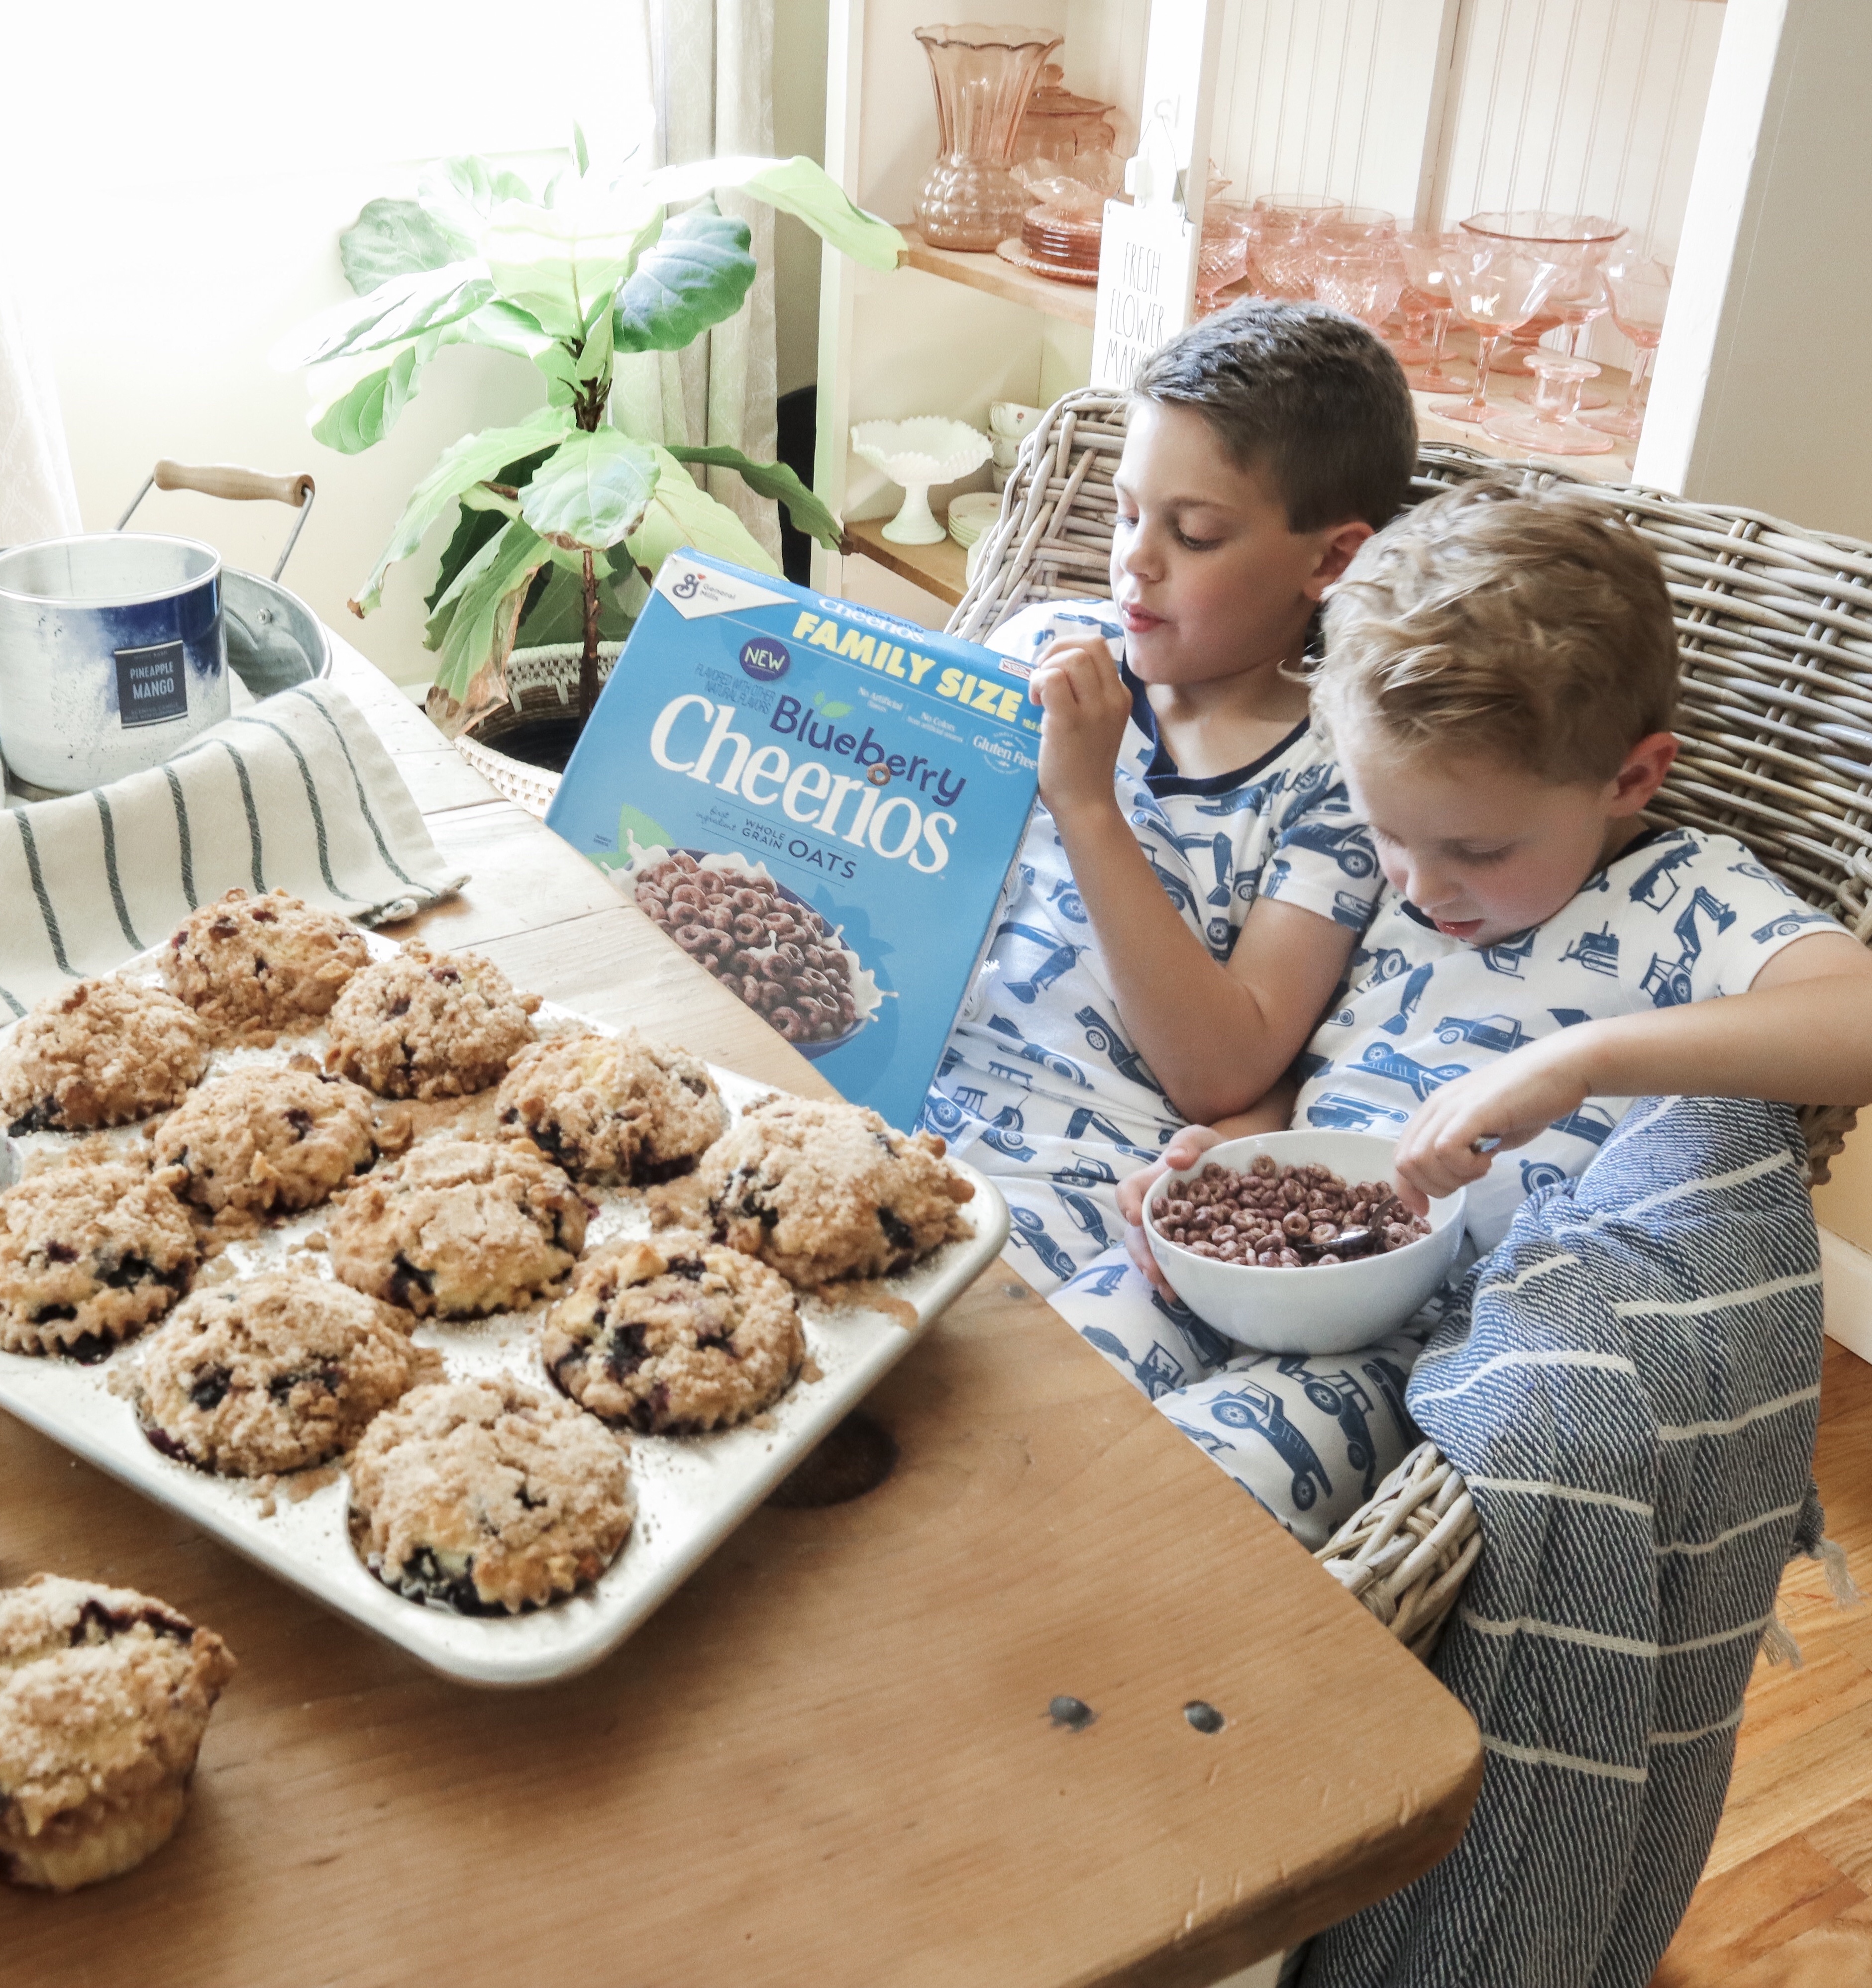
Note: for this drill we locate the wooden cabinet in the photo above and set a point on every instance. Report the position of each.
(1725, 136)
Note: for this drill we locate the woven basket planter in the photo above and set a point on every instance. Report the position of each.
(541, 683)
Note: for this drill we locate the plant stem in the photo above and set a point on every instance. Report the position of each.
(588, 662)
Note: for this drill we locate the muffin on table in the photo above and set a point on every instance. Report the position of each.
(89, 1254)
(101, 1052)
(458, 1228)
(268, 1141)
(260, 966)
(620, 1109)
(674, 1336)
(104, 1696)
(488, 1496)
(428, 1025)
(276, 1372)
(824, 1190)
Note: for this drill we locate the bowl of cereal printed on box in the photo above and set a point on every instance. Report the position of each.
(1294, 1242)
(764, 943)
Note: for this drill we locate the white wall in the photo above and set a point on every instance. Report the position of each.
(176, 180)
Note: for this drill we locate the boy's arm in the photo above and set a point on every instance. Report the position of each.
(1216, 1037)
(1802, 1035)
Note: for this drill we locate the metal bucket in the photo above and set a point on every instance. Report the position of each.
(111, 655)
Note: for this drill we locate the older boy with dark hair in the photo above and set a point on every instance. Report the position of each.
(1193, 881)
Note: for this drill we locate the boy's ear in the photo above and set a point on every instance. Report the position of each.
(1337, 544)
(1637, 781)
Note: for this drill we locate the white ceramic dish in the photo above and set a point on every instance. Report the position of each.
(926, 449)
(688, 1493)
(1329, 1308)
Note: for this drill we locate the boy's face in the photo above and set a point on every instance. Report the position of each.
(1487, 849)
(1207, 578)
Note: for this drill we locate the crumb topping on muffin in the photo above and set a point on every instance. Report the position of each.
(252, 967)
(618, 1109)
(268, 1140)
(102, 1052)
(674, 1336)
(488, 1496)
(823, 1190)
(429, 1025)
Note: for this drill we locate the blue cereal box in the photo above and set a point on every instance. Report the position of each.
(818, 802)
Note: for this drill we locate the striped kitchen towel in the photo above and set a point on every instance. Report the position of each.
(1631, 1384)
(298, 790)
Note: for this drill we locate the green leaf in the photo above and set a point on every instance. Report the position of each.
(795, 186)
(594, 356)
(471, 459)
(578, 149)
(556, 613)
(399, 307)
(592, 488)
(360, 418)
(487, 608)
(463, 192)
(774, 480)
(680, 515)
(507, 328)
(474, 528)
(557, 263)
(696, 274)
(397, 238)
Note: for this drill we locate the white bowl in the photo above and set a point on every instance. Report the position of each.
(1322, 1308)
(927, 449)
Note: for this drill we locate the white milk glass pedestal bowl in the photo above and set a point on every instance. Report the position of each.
(930, 448)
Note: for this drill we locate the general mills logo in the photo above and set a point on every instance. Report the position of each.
(765, 661)
(685, 589)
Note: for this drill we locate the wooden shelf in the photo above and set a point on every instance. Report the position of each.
(937, 568)
(1076, 302)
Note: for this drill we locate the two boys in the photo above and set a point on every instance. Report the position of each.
(1496, 689)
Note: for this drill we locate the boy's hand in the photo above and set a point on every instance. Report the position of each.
(1085, 705)
(1183, 1151)
(1511, 1101)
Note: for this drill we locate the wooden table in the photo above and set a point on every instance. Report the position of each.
(828, 1761)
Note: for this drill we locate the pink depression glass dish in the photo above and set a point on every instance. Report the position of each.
(983, 77)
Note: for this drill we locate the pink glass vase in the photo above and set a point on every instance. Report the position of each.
(983, 77)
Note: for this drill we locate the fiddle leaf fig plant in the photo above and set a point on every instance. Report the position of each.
(562, 519)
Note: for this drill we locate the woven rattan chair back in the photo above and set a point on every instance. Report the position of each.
(1774, 623)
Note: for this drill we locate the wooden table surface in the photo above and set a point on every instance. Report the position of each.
(827, 1762)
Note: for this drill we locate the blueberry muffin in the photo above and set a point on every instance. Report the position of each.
(822, 1191)
(487, 1497)
(104, 1697)
(276, 1373)
(253, 967)
(268, 1141)
(458, 1228)
(674, 1336)
(428, 1025)
(101, 1053)
(88, 1255)
(617, 1109)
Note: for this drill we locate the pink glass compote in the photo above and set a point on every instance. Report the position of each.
(1222, 254)
(1574, 241)
(1365, 281)
(1640, 288)
(1551, 426)
(1422, 255)
(1282, 246)
(1497, 288)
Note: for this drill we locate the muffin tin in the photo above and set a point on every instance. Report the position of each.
(688, 1492)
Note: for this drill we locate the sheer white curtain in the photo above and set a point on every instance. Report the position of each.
(713, 61)
(37, 498)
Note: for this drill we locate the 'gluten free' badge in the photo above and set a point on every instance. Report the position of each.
(151, 684)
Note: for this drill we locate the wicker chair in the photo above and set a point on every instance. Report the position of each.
(1775, 625)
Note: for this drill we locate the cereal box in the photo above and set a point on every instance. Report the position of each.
(818, 803)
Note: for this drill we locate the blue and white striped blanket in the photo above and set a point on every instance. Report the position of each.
(1630, 1384)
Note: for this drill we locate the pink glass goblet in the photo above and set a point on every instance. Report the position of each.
(1640, 288)
(1421, 255)
(1496, 287)
(1221, 256)
(1580, 297)
(1552, 427)
(1565, 238)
